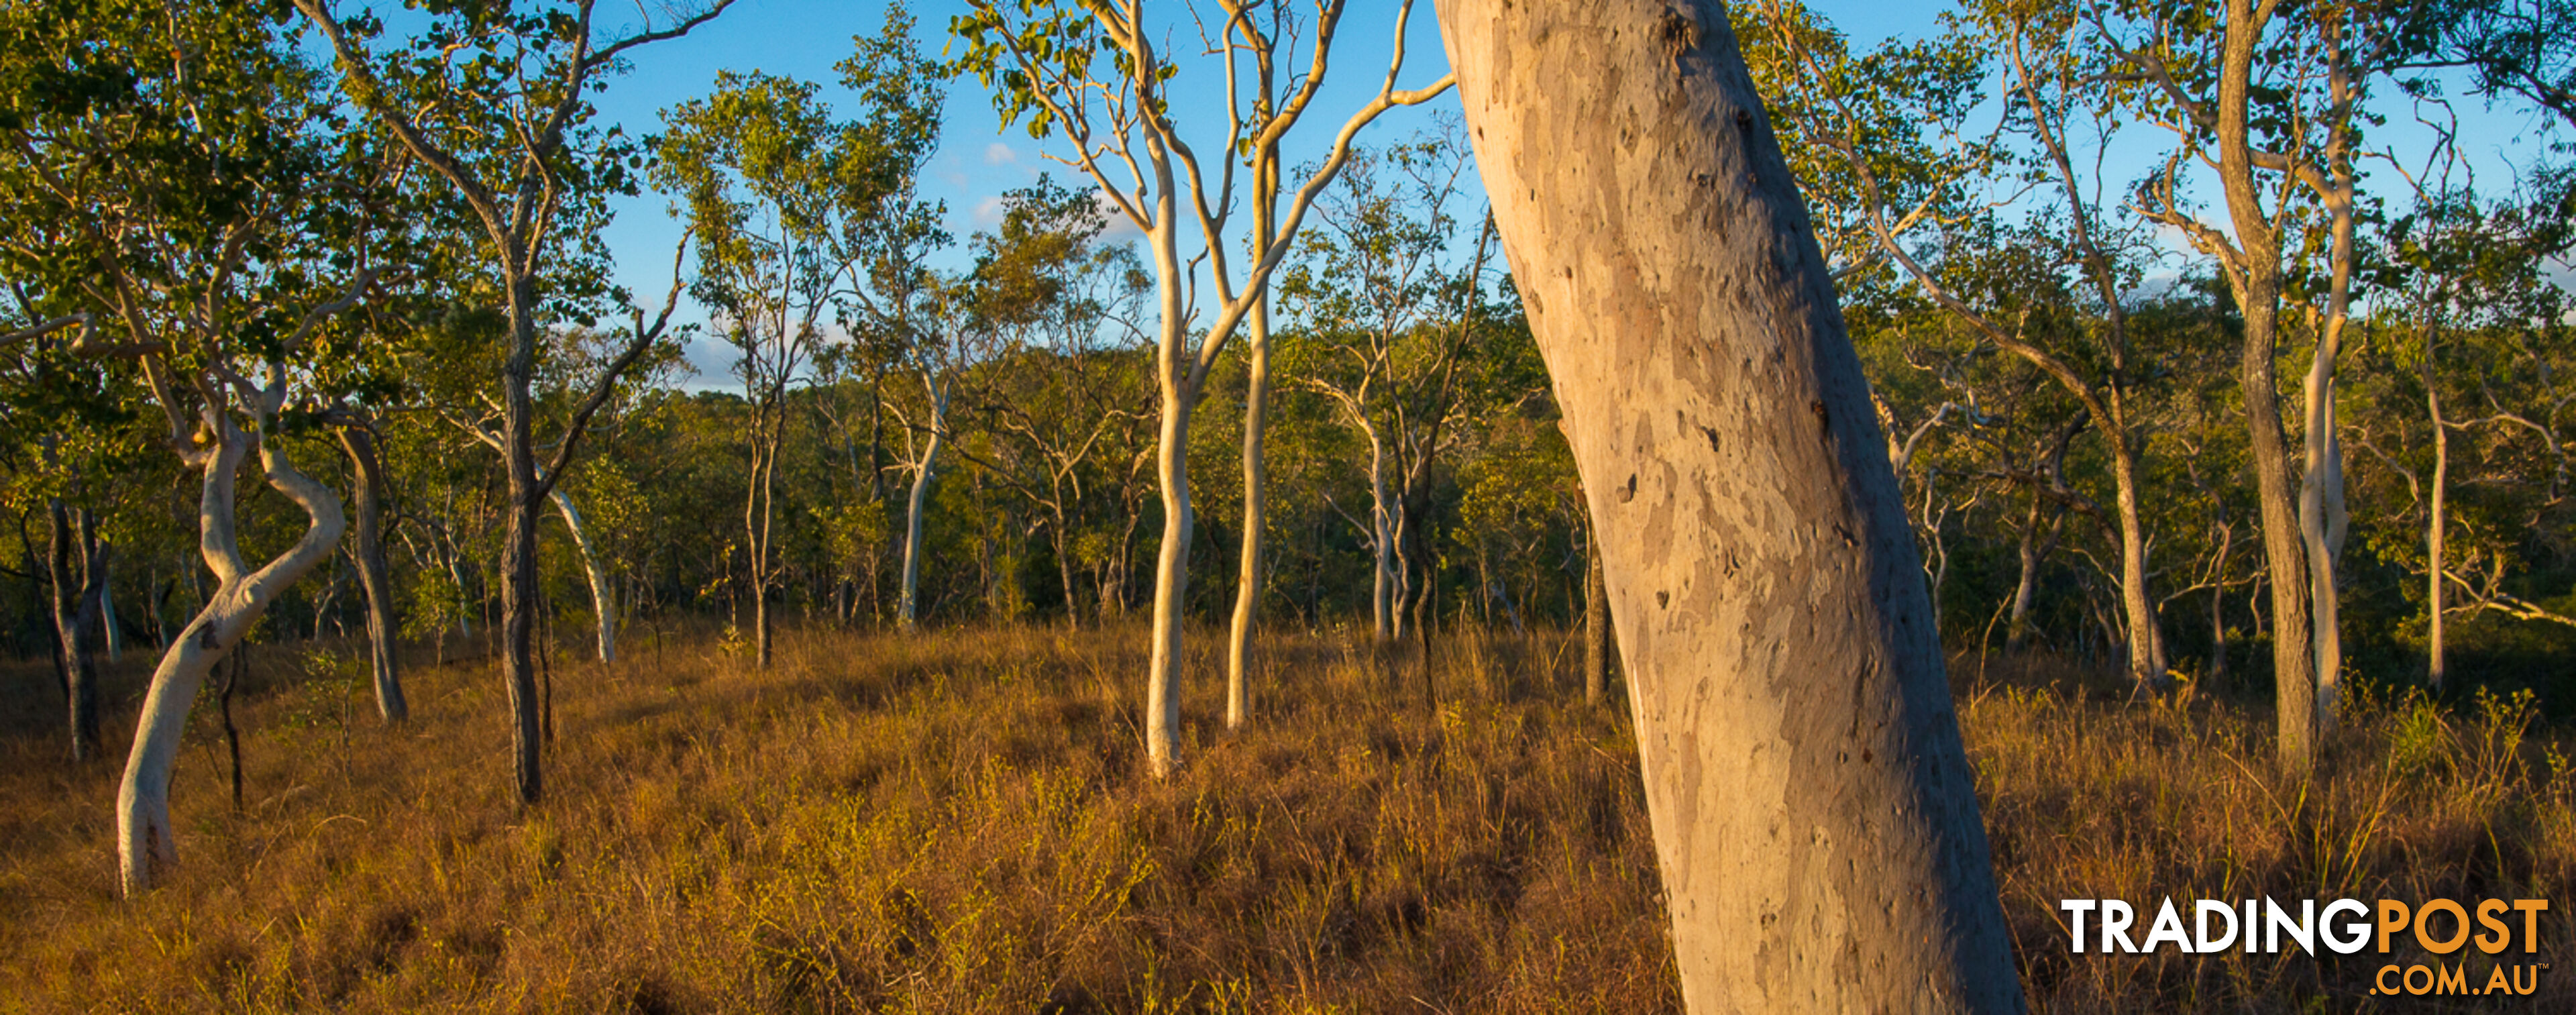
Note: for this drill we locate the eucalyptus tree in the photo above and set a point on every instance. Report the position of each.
(367, 390)
(2483, 344)
(444, 327)
(784, 202)
(2522, 48)
(1781, 663)
(1041, 58)
(76, 583)
(1385, 310)
(922, 319)
(496, 102)
(459, 398)
(1893, 129)
(72, 443)
(220, 220)
(1066, 302)
(2274, 102)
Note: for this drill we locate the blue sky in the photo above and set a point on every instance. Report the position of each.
(977, 161)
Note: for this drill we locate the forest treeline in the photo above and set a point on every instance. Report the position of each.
(361, 254)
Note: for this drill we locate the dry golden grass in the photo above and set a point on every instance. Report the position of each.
(957, 823)
(2087, 798)
(954, 823)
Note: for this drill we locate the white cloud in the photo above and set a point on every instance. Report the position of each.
(1121, 229)
(988, 212)
(1000, 154)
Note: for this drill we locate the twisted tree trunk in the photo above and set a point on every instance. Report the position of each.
(143, 832)
(1813, 809)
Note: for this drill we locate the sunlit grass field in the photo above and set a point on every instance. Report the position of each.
(958, 822)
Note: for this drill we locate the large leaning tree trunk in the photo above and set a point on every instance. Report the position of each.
(1813, 809)
(367, 480)
(241, 595)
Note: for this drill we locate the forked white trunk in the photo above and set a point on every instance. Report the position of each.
(1814, 814)
(2322, 520)
(907, 602)
(143, 832)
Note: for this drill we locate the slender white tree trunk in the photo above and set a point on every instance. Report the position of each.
(2146, 640)
(1813, 809)
(1172, 358)
(2321, 516)
(1171, 582)
(1247, 582)
(603, 593)
(107, 626)
(464, 606)
(755, 524)
(143, 831)
(2026, 587)
(907, 602)
(2437, 665)
(1382, 541)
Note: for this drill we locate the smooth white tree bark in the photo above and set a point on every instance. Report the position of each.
(1125, 141)
(1174, 397)
(144, 837)
(2437, 663)
(603, 592)
(917, 505)
(107, 625)
(1256, 513)
(1814, 814)
(2322, 520)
